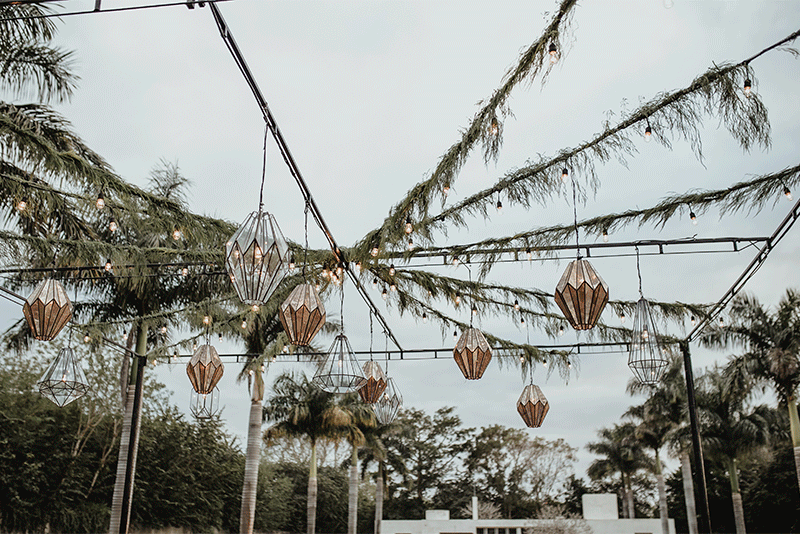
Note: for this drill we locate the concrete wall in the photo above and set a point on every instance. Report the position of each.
(519, 526)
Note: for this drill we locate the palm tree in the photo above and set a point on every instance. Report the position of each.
(772, 342)
(623, 454)
(299, 409)
(730, 430)
(375, 451)
(363, 420)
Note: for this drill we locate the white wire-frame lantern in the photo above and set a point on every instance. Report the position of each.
(204, 405)
(64, 381)
(47, 310)
(257, 258)
(389, 404)
(339, 372)
(646, 359)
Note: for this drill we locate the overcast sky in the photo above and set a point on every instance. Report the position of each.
(370, 93)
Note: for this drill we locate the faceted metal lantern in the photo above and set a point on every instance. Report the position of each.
(472, 353)
(389, 404)
(302, 314)
(339, 372)
(205, 369)
(581, 294)
(63, 381)
(375, 385)
(47, 310)
(533, 406)
(646, 359)
(204, 406)
(257, 258)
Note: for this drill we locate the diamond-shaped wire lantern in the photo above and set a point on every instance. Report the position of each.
(257, 258)
(205, 369)
(533, 406)
(204, 406)
(646, 359)
(47, 310)
(339, 372)
(472, 353)
(375, 384)
(63, 381)
(389, 404)
(302, 314)
(581, 294)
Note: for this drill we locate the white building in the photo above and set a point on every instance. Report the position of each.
(600, 516)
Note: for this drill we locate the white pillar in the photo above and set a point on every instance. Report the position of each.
(474, 507)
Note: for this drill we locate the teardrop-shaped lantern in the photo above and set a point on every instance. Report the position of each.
(204, 405)
(63, 381)
(533, 406)
(302, 314)
(646, 359)
(205, 369)
(339, 372)
(47, 310)
(375, 384)
(581, 294)
(257, 258)
(389, 404)
(472, 353)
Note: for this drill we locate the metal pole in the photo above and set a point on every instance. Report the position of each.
(699, 469)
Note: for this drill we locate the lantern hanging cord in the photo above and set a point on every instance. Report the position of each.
(471, 315)
(370, 335)
(575, 217)
(263, 170)
(341, 308)
(639, 272)
(305, 227)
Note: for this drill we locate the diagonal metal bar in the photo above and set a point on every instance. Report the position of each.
(269, 119)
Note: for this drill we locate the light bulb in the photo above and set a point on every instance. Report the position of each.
(206, 320)
(553, 51)
(721, 322)
(339, 271)
(316, 286)
(86, 338)
(648, 134)
(622, 317)
(522, 320)
(410, 244)
(693, 217)
(392, 288)
(645, 334)
(101, 201)
(185, 271)
(748, 87)
(374, 251)
(340, 362)
(385, 294)
(605, 236)
(291, 263)
(284, 350)
(521, 358)
(244, 324)
(325, 273)
(455, 335)
(569, 364)
(391, 270)
(693, 320)
(474, 310)
(251, 372)
(499, 206)
(455, 261)
(494, 127)
(358, 267)
(22, 205)
(516, 305)
(787, 193)
(457, 299)
(374, 283)
(163, 329)
(194, 347)
(446, 190)
(220, 338)
(529, 254)
(561, 330)
(255, 308)
(409, 227)
(176, 234)
(112, 226)
(564, 174)
(274, 358)
(424, 317)
(108, 266)
(175, 355)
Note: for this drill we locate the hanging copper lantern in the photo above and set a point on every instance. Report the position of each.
(533, 406)
(205, 369)
(339, 372)
(375, 383)
(204, 405)
(47, 310)
(646, 358)
(302, 314)
(63, 381)
(257, 258)
(472, 353)
(389, 404)
(581, 294)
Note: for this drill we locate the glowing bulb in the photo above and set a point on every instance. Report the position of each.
(112, 226)
(274, 358)
(392, 288)
(64, 378)
(693, 320)
(721, 322)
(108, 266)
(391, 270)
(605, 236)
(622, 317)
(648, 134)
(409, 227)
(529, 254)
(455, 335)
(499, 206)
(175, 355)
(22, 205)
(358, 267)
(458, 299)
(494, 127)
(748, 87)
(101, 201)
(206, 320)
(374, 283)
(163, 329)
(516, 305)
(86, 338)
(339, 271)
(255, 308)
(385, 294)
(340, 362)
(284, 350)
(325, 273)
(787, 193)
(561, 330)
(569, 364)
(185, 271)
(446, 190)
(693, 217)
(455, 261)
(410, 244)
(424, 317)
(521, 358)
(194, 347)
(317, 286)
(291, 263)
(474, 310)
(553, 51)
(374, 251)
(220, 338)
(251, 372)
(645, 334)
(176, 234)
(244, 324)
(522, 320)
(564, 174)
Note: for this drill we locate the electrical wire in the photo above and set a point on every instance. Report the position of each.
(96, 11)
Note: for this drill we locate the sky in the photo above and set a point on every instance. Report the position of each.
(370, 93)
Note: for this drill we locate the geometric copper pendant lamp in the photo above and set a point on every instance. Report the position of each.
(472, 353)
(47, 310)
(375, 385)
(533, 406)
(205, 369)
(581, 294)
(302, 314)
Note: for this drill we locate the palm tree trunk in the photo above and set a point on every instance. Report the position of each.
(379, 499)
(736, 496)
(794, 428)
(311, 525)
(626, 507)
(352, 505)
(250, 486)
(688, 492)
(662, 496)
(122, 463)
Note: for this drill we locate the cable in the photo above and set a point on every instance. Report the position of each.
(95, 11)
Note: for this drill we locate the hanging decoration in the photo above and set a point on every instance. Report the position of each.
(646, 359)
(47, 310)
(63, 381)
(472, 353)
(302, 313)
(257, 256)
(581, 294)
(204, 405)
(389, 403)
(375, 383)
(533, 405)
(339, 371)
(205, 369)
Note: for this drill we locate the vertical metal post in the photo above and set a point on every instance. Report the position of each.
(701, 494)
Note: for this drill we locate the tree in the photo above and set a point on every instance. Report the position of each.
(772, 342)
(622, 453)
(300, 409)
(363, 420)
(375, 451)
